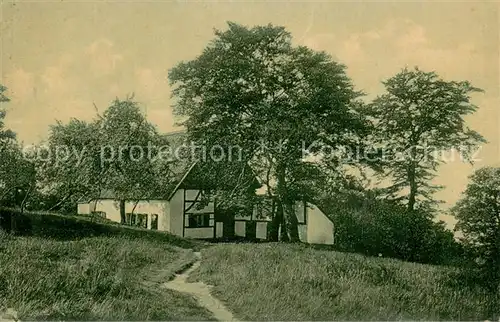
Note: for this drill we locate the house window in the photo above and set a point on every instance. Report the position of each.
(138, 220)
(142, 220)
(198, 220)
(154, 221)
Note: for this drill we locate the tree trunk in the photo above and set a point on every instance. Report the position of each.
(413, 188)
(274, 224)
(282, 223)
(122, 211)
(26, 196)
(292, 222)
(289, 230)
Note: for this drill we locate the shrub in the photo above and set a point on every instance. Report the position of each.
(377, 227)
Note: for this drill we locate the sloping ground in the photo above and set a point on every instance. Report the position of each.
(100, 273)
(295, 282)
(200, 291)
(68, 227)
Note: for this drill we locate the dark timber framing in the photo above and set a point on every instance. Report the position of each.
(192, 203)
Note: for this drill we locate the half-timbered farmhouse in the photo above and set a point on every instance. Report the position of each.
(186, 213)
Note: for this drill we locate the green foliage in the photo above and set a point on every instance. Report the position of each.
(478, 215)
(367, 224)
(421, 114)
(5, 134)
(117, 152)
(252, 89)
(125, 130)
(17, 175)
(281, 282)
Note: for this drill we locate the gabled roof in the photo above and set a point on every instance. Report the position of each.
(199, 174)
(177, 186)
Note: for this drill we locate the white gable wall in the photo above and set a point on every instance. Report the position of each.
(261, 230)
(191, 208)
(177, 212)
(319, 227)
(240, 228)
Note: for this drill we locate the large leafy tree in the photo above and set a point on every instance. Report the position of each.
(478, 214)
(17, 175)
(421, 114)
(5, 134)
(118, 151)
(69, 164)
(252, 89)
(137, 170)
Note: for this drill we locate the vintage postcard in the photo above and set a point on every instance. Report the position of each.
(249, 160)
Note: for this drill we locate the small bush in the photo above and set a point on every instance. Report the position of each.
(375, 227)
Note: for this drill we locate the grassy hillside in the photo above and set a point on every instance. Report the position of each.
(66, 227)
(295, 282)
(67, 269)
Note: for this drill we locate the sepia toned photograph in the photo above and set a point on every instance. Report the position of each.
(249, 160)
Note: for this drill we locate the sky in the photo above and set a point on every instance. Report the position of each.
(64, 59)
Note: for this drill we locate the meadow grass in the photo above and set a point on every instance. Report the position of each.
(295, 282)
(93, 278)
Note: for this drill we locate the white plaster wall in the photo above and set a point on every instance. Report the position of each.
(191, 195)
(261, 230)
(240, 228)
(176, 208)
(149, 207)
(205, 232)
(219, 229)
(92, 205)
(83, 209)
(168, 220)
(110, 207)
(319, 227)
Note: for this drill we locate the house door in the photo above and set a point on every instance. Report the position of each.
(219, 229)
(225, 220)
(251, 230)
